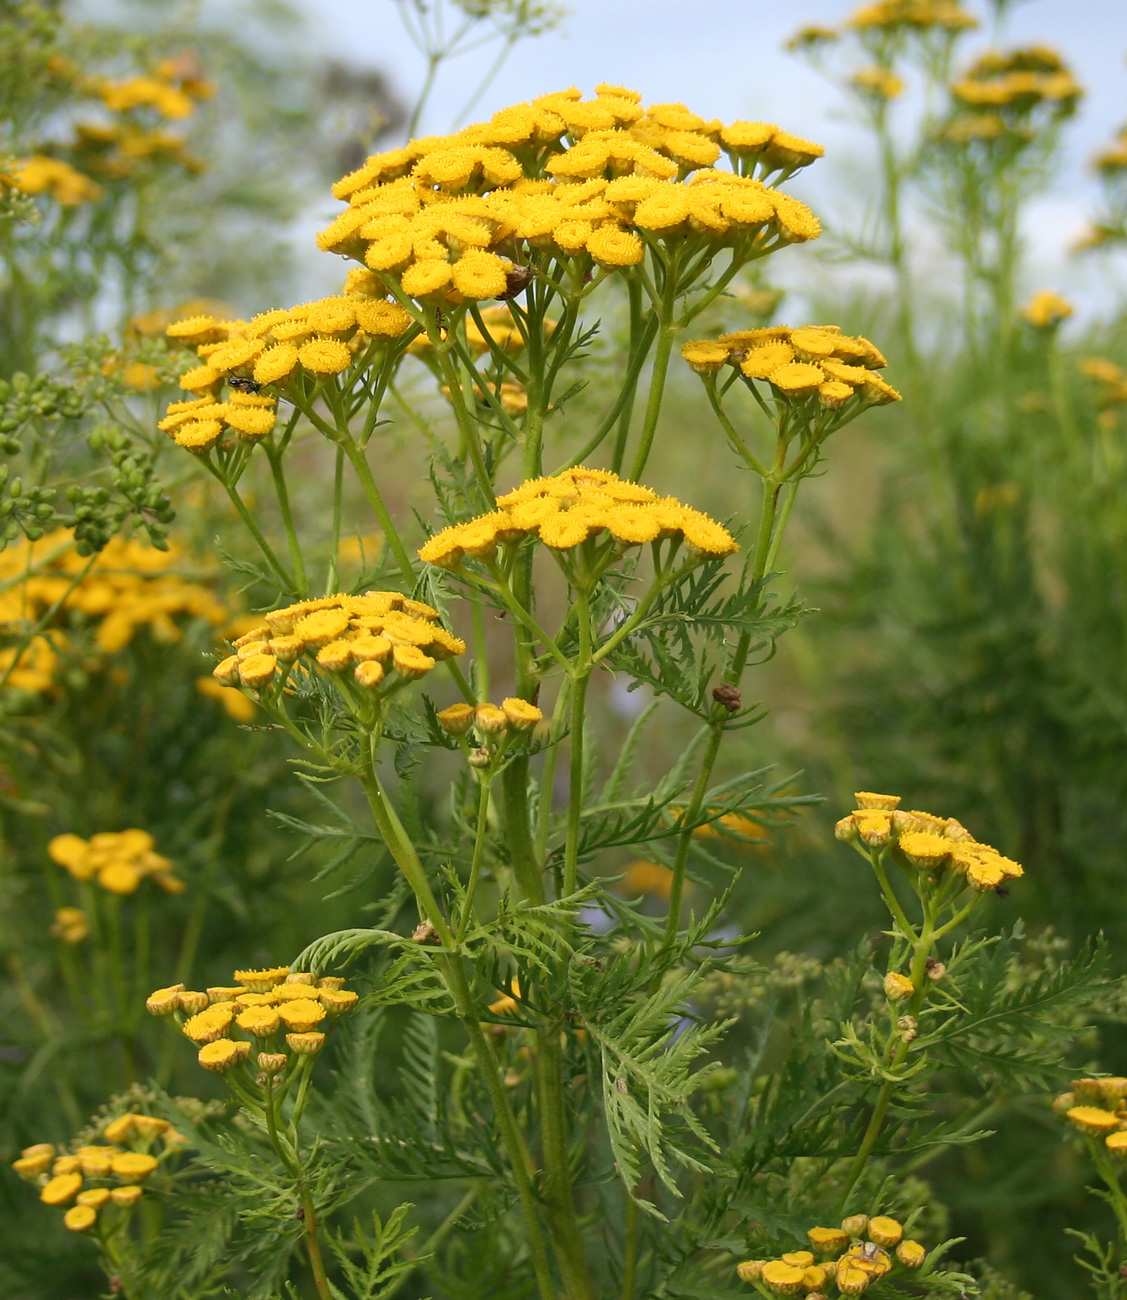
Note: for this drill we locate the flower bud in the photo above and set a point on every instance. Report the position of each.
(164, 1001)
(286, 649)
(750, 1270)
(1064, 1103)
(306, 1044)
(226, 673)
(855, 1224)
(457, 719)
(191, 1002)
(272, 1062)
(126, 1197)
(479, 758)
(490, 720)
(935, 969)
(368, 674)
(846, 829)
(897, 987)
(909, 1028)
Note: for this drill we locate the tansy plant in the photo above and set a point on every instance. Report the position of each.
(544, 1035)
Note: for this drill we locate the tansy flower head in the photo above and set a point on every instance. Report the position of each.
(567, 509)
(1046, 310)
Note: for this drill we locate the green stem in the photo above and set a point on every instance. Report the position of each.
(630, 1250)
(251, 526)
(921, 951)
(403, 851)
(278, 474)
(665, 338)
(364, 473)
(475, 863)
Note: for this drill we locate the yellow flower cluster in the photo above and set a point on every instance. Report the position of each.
(563, 511)
(98, 1179)
(453, 217)
(54, 177)
(267, 1005)
(880, 82)
(118, 150)
(928, 843)
(119, 860)
(1000, 93)
(1046, 310)
(374, 634)
(945, 15)
(171, 89)
(1113, 160)
(870, 1249)
(70, 924)
(1112, 388)
(114, 151)
(314, 340)
(816, 364)
(1098, 1109)
(127, 588)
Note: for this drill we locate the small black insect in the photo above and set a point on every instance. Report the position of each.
(518, 278)
(1002, 891)
(241, 385)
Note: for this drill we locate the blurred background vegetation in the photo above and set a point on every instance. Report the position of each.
(965, 567)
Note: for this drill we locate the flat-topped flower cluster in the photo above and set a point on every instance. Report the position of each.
(931, 845)
(813, 361)
(100, 1178)
(870, 1248)
(268, 1005)
(453, 215)
(565, 510)
(374, 634)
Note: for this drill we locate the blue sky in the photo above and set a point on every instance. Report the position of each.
(727, 60)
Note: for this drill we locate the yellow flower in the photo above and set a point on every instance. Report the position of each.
(61, 1188)
(648, 878)
(259, 1021)
(211, 1024)
(238, 707)
(896, 988)
(479, 275)
(34, 1160)
(133, 1166)
(881, 82)
(910, 1253)
(885, 1231)
(1046, 310)
(782, 1278)
(521, 715)
(611, 246)
(79, 1218)
(126, 1196)
(223, 1054)
(262, 981)
(325, 356)
(1093, 1120)
(55, 178)
(827, 1241)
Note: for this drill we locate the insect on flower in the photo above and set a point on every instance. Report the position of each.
(243, 385)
